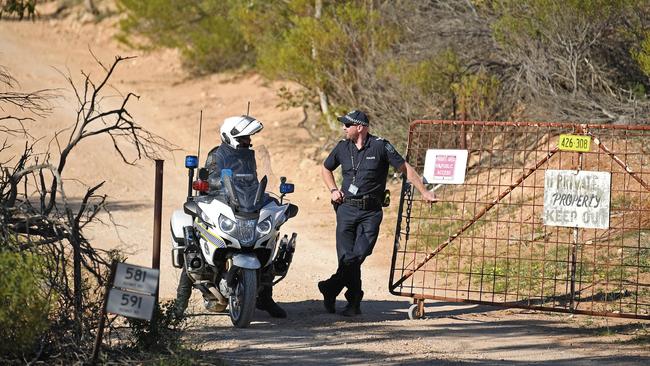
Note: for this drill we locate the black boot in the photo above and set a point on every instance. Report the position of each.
(329, 297)
(353, 307)
(265, 302)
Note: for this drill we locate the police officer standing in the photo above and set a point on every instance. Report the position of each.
(364, 161)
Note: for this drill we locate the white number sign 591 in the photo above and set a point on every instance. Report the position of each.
(130, 304)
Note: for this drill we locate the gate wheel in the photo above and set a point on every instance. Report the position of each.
(416, 311)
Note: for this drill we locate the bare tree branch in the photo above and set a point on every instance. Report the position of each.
(37, 216)
(121, 130)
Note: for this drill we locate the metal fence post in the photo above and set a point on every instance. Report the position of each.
(157, 219)
(102, 319)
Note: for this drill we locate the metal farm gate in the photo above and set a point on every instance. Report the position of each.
(494, 238)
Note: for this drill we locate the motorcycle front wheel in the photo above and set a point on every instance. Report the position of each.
(242, 300)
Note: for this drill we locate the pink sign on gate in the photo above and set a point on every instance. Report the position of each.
(444, 166)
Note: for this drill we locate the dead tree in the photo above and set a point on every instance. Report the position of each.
(34, 206)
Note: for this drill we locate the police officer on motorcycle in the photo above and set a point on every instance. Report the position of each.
(234, 153)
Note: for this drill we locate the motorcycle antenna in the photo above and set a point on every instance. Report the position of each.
(198, 153)
(248, 108)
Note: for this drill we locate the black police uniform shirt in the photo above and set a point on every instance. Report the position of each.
(370, 163)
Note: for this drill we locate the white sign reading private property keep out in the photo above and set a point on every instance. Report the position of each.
(577, 198)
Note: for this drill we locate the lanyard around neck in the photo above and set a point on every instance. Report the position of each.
(355, 169)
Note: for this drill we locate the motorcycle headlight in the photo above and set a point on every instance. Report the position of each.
(246, 232)
(226, 225)
(264, 227)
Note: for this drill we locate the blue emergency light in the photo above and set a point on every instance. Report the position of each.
(191, 161)
(286, 188)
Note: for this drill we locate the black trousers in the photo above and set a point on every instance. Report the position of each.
(356, 234)
(183, 293)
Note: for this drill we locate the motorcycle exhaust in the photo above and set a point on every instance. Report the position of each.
(220, 299)
(209, 291)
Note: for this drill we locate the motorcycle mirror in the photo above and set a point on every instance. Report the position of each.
(292, 210)
(191, 208)
(204, 174)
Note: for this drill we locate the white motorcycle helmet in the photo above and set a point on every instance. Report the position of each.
(234, 128)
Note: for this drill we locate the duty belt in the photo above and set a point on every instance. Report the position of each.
(366, 202)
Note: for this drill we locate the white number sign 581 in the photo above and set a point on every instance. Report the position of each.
(136, 278)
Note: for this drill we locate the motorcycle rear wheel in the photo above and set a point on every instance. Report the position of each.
(242, 300)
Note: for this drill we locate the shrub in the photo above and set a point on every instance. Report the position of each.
(161, 334)
(205, 34)
(19, 8)
(24, 303)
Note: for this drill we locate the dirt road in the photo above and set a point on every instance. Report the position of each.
(37, 53)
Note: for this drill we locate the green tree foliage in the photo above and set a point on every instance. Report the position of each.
(335, 53)
(263, 23)
(345, 40)
(24, 303)
(457, 91)
(203, 31)
(477, 96)
(409, 59)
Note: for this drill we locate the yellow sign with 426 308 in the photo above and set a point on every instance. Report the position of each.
(577, 143)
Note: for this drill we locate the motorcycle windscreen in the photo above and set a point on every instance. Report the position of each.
(245, 190)
(244, 175)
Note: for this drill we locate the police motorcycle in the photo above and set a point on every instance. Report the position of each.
(227, 241)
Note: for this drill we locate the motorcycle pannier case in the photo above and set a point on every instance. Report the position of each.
(179, 220)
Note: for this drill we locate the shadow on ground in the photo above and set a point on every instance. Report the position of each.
(312, 337)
